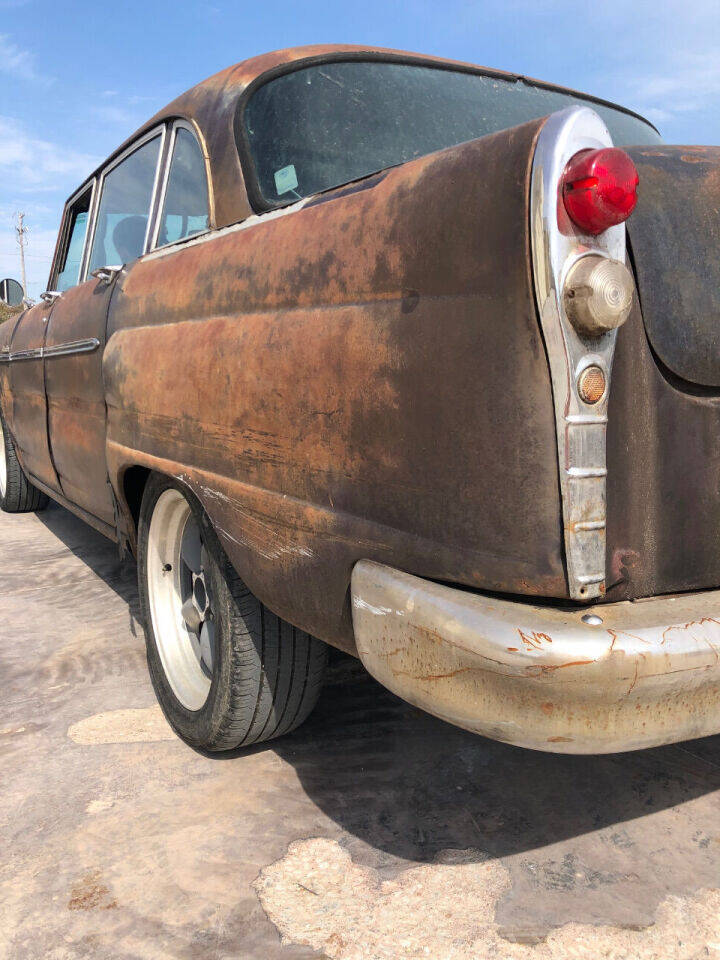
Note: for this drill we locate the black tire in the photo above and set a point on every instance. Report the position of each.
(19, 496)
(266, 674)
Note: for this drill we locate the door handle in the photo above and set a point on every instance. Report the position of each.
(106, 274)
(50, 296)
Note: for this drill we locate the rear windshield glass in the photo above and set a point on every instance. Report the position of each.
(325, 125)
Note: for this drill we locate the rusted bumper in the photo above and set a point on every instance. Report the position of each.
(540, 676)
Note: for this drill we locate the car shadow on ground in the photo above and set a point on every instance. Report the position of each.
(99, 554)
(410, 786)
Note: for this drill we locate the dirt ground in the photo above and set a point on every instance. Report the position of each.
(375, 831)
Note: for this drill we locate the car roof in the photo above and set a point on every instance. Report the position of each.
(210, 106)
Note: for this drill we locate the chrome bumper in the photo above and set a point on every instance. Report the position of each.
(539, 676)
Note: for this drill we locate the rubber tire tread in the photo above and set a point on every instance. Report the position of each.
(20, 495)
(269, 673)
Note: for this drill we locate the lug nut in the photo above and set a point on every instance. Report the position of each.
(598, 295)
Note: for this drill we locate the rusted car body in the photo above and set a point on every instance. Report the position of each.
(368, 393)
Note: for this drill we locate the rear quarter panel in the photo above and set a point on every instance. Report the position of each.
(361, 377)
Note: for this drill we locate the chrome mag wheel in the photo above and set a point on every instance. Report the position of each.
(181, 599)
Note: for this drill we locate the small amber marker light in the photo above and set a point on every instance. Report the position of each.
(591, 384)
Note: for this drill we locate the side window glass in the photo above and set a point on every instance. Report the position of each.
(124, 209)
(70, 264)
(185, 207)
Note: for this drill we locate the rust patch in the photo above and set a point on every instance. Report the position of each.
(298, 368)
(616, 634)
(687, 626)
(540, 668)
(91, 893)
(534, 640)
(634, 680)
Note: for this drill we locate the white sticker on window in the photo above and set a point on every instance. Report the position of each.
(286, 179)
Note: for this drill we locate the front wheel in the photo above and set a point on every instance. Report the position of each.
(226, 671)
(17, 494)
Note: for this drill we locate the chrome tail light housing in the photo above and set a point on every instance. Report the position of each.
(584, 292)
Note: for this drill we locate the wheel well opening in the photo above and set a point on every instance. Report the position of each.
(134, 480)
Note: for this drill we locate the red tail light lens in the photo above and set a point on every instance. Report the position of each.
(599, 189)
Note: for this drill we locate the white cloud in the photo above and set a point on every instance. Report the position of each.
(116, 115)
(128, 112)
(29, 163)
(654, 115)
(17, 62)
(31, 169)
(686, 84)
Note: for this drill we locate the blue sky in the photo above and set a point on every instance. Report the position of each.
(77, 77)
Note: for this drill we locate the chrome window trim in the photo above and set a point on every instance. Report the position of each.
(161, 131)
(64, 233)
(580, 428)
(88, 345)
(172, 137)
(214, 233)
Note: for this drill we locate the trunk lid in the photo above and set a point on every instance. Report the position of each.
(663, 449)
(674, 236)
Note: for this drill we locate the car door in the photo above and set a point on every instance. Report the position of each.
(77, 329)
(25, 404)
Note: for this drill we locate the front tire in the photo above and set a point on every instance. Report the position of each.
(226, 671)
(17, 494)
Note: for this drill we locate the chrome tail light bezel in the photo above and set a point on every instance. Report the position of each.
(557, 244)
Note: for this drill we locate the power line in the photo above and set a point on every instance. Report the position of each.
(28, 256)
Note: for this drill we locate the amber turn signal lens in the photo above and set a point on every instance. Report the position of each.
(598, 294)
(591, 384)
(599, 189)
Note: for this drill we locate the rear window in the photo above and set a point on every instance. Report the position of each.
(328, 124)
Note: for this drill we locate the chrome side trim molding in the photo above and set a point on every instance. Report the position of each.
(580, 428)
(73, 346)
(23, 355)
(58, 350)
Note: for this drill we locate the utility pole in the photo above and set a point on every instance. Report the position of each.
(21, 231)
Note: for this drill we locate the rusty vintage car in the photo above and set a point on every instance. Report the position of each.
(355, 347)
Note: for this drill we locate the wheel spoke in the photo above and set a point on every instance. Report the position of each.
(191, 549)
(191, 616)
(205, 561)
(207, 637)
(197, 649)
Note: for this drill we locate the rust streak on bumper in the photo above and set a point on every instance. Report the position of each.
(648, 674)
